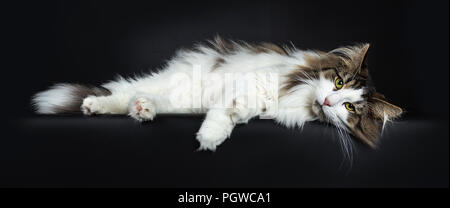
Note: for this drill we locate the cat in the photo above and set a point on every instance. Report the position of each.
(234, 81)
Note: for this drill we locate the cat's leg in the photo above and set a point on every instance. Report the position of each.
(111, 104)
(216, 127)
(145, 106)
(219, 124)
(142, 108)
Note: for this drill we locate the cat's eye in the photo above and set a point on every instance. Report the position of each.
(338, 83)
(350, 107)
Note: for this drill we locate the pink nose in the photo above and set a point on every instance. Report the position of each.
(326, 102)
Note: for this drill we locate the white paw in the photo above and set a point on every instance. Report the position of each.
(210, 136)
(142, 110)
(90, 106)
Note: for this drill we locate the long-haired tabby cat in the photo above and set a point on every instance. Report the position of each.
(285, 84)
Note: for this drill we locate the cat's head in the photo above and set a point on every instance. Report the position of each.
(343, 95)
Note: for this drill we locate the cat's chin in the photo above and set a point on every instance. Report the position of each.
(318, 111)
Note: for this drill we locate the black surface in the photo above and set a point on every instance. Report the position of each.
(91, 41)
(118, 152)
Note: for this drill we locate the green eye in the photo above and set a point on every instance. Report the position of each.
(338, 83)
(349, 107)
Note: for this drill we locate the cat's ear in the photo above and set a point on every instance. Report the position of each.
(363, 51)
(356, 55)
(372, 122)
(381, 109)
(363, 65)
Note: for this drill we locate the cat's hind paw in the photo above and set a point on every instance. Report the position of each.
(142, 110)
(90, 106)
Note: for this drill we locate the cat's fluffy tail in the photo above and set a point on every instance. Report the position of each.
(64, 98)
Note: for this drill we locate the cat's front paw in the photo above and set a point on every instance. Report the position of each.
(210, 137)
(142, 110)
(90, 106)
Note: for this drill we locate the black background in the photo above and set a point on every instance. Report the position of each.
(91, 41)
